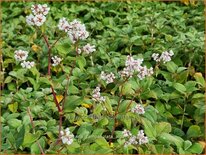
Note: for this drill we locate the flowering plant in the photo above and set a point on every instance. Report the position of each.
(74, 93)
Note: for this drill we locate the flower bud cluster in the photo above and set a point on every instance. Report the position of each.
(164, 57)
(132, 66)
(96, 96)
(67, 137)
(56, 60)
(39, 14)
(139, 109)
(109, 78)
(134, 140)
(75, 29)
(21, 56)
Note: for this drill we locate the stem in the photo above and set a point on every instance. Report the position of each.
(33, 127)
(183, 116)
(116, 112)
(49, 73)
(130, 103)
(49, 54)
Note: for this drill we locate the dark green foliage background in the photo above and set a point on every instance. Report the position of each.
(116, 29)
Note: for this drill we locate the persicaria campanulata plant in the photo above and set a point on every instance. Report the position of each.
(133, 69)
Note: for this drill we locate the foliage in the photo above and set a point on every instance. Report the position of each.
(173, 97)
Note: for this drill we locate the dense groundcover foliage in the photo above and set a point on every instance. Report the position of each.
(159, 109)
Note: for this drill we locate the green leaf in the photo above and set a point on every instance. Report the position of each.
(13, 107)
(151, 114)
(193, 131)
(187, 144)
(127, 89)
(103, 122)
(45, 80)
(35, 72)
(63, 48)
(199, 78)
(108, 105)
(149, 128)
(160, 107)
(15, 123)
(35, 147)
(73, 90)
(102, 143)
(11, 139)
(29, 139)
(169, 138)
(20, 137)
(171, 66)
(8, 79)
(81, 61)
(71, 103)
(196, 148)
(163, 127)
(180, 87)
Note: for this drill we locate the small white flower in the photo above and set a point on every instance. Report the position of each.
(139, 109)
(45, 9)
(131, 65)
(165, 56)
(20, 55)
(30, 20)
(79, 51)
(143, 140)
(75, 30)
(96, 96)
(140, 134)
(88, 48)
(67, 137)
(155, 56)
(109, 78)
(56, 60)
(126, 133)
(38, 9)
(144, 71)
(27, 64)
(63, 24)
(39, 19)
(133, 140)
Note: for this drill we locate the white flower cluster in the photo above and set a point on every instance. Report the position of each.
(139, 109)
(132, 66)
(21, 56)
(27, 64)
(96, 96)
(164, 57)
(134, 140)
(109, 78)
(87, 49)
(56, 60)
(67, 137)
(142, 138)
(75, 29)
(39, 14)
(144, 71)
